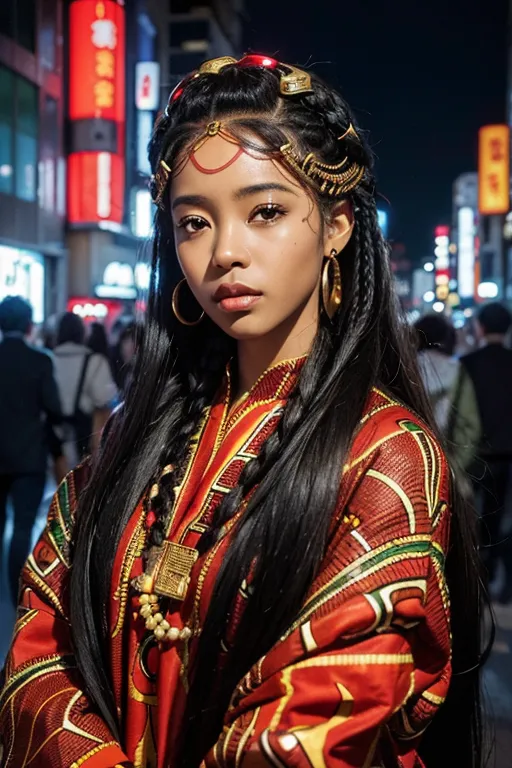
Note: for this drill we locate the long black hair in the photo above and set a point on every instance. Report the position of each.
(295, 478)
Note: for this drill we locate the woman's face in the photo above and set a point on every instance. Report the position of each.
(250, 240)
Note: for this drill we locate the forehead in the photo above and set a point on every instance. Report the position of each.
(223, 164)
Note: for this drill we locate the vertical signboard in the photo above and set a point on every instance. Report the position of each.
(494, 170)
(442, 262)
(466, 252)
(96, 107)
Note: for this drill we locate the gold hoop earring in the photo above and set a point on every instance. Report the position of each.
(331, 288)
(175, 308)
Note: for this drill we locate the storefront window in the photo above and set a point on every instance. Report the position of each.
(26, 140)
(6, 129)
(22, 274)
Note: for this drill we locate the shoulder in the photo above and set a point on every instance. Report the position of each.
(395, 448)
(42, 356)
(474, 358)
(62, 512)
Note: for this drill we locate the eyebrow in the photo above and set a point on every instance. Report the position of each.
(240, 194)
(266, 187)
(189, 200)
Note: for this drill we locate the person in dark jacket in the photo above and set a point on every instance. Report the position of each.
(28, 400)
(490, 369)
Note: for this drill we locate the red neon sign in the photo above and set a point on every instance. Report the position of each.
(96, 187)
(96, 60)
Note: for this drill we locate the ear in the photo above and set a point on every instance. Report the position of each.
(338, 230)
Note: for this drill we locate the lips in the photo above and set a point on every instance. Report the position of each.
(234, 290)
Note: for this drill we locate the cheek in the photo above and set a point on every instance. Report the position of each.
(193, 258)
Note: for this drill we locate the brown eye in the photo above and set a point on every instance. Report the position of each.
(267, 213)
(192, 224)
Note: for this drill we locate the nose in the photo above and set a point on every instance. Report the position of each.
(229, 250)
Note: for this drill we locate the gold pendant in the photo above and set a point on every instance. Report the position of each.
(167, 571)
(172, 575)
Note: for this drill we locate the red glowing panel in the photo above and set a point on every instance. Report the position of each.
(442, 231)
(96, 60)
(95, 187)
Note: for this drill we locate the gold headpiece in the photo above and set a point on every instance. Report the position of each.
(338, 179)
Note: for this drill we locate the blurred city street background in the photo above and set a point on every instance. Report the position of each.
(81, 85)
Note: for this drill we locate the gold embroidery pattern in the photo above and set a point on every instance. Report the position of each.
(400, 493)
(32, 671)
(36, 715)
(133, 551)
(45, 589)
(245, 738)
(334, 660)
(410, 547)
(24, 620)
(92, 752)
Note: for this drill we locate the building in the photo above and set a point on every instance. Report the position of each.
(135, 53)
(81, 84)
(32, 165)
(202, 30)
(108, 205)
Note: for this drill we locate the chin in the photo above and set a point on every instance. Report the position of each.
(245, 327)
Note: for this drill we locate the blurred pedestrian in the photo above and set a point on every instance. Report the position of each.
(28, 397)
(449, 387)
(86, 387)
(97, 339)
(490, 369)
(124, 356)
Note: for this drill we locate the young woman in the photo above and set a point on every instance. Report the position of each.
(254, 570)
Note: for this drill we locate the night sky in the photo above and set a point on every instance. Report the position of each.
(422, 77)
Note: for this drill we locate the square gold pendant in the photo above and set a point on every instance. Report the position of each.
(172, 573)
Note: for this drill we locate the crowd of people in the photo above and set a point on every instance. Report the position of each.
(54, 403)
(59, 395)
(470, 396)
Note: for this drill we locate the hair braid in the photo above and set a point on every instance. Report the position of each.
(256, 469)
(200, 391)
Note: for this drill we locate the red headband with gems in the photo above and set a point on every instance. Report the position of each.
(293, 81)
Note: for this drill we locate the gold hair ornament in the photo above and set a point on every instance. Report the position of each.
(338, 179)
(158, 184)
(292, 81)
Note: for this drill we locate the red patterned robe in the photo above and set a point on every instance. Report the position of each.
(355, 680)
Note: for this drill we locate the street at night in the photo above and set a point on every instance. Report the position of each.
(255, 384)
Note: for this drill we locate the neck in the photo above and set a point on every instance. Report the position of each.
(288, 341)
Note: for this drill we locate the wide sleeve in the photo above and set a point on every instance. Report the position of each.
(366, 665)
(46, 718)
